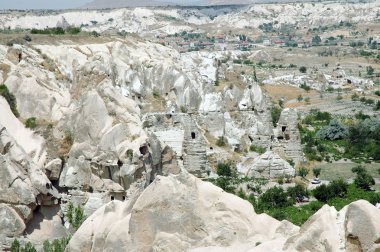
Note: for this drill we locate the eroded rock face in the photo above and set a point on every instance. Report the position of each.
(267, 165)
(287, 138)
(354, 228)
(178, 212)
(10, 222)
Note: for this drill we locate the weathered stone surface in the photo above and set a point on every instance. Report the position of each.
(53, 169)
(179, 211)
(287, 138)
(267, 165)
(11, 224)
(354, 228)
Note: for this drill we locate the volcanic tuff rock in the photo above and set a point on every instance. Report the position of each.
(178, 212)
(167, 20)
(267, 165)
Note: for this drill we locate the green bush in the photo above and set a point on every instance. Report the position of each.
(316, 172)
(274, 197)
(275, 113)
(297, 192)
(258, 149)
(56, 245)
(73, 30)
(75, 215)
(15, 247)
(303, 69)
(334, 131)
(49, 31)
(363, 180)
(302, 172)
(10, 98)
(31, 123)
(336, 188)
(221, 141)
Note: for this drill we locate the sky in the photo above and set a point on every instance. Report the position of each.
(41, 4)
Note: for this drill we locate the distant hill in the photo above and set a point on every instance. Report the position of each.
(105, 4)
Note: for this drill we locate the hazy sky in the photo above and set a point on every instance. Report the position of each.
(41, 4)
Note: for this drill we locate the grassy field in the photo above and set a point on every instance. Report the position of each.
(331, 171)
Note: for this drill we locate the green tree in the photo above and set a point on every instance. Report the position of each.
(316, 172)
(303, 69)
(275, 113)
(297, 192)
(370, 70)
(15, 247)
(75, 215)
(299, 98)
(274, 197)
(303, 172)
(363, 179)
(224, 169)
(316, 40)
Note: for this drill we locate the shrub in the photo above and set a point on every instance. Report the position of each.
(305, 87)
(75, 215)
(221, 141)
(334, 131)
(15, 247)
(73, 30)
(299, 98)
(274, 197)
(10, 98)
(156, 94)
(275, 113)
(355, 97)
(303, 69)
(31, 123)
(258, 149)
(280, 180)
(224, 169)
(363, 180)
(302, 172)
(297, 192)
(56, 245)
(337, 188)
(316, 172)
(307, 100)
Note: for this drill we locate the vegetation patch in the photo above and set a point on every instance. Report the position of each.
(10, 98)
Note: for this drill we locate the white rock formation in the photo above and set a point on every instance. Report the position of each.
(267, 165)
(178, 212)
(354, 228)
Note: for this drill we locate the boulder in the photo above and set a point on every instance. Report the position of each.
(10, 222)
(53, 169)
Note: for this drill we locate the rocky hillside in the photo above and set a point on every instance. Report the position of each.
(125, 131)
(171, 20)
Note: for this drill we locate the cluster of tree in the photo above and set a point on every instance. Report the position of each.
(355, 138)
(75, 215)
(57, 245)
(56, 31)
(267, 27)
